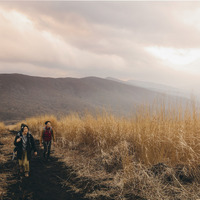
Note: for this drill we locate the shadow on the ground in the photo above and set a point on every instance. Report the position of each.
(49, 180)
(45, 181)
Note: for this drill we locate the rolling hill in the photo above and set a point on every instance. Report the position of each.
(25, 96)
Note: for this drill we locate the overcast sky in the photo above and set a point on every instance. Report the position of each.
(150, 41)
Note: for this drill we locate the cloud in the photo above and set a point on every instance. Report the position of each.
(27, 44)
(96, 38)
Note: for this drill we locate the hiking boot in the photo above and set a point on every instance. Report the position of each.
(26, 174)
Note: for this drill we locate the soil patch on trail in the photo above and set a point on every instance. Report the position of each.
(47, 180)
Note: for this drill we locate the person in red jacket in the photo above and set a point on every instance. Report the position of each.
(47, 136)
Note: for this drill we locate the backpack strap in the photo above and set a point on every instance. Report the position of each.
(19, 133)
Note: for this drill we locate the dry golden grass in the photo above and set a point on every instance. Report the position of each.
(3, 141)
(2, 127)
(36, 123)
(126, 149)
(6, 142)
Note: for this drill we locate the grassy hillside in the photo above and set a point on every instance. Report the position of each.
(152, 155)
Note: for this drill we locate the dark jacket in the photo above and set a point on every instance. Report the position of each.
(30, 145)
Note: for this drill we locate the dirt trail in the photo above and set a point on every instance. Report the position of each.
(47, 180)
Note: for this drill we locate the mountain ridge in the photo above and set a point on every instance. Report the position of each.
(24, 96)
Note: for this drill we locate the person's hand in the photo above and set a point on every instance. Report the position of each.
(35, 153)
(19, 139)
(41, 146)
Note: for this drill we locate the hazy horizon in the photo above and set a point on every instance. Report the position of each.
(155, 42)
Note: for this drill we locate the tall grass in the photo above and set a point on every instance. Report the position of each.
(172, 137)
(36, 124)
(152, 135)
(2, 127)
(159, 134)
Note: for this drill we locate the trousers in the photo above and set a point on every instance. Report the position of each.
(47, 148)
(24, 162)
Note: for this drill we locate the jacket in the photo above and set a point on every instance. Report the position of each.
(42, 134)
(30, 146)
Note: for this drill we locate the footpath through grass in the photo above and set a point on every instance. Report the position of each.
(47, 179)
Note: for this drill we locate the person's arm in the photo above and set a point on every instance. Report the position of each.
(17, 141)
(53, 132)
(33, 144)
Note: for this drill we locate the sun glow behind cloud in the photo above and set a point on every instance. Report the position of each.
(178, 59)
(191, 18)
(17, 19)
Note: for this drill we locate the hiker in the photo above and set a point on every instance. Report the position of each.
(15, 149)
(24, 142)
(46, 136)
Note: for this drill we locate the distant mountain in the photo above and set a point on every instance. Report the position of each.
(161, 88)
(158, 87)
(24, 96)
(115, 79)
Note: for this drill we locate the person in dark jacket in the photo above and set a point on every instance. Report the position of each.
(47, 136)
(15, 149)
(24, 142)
